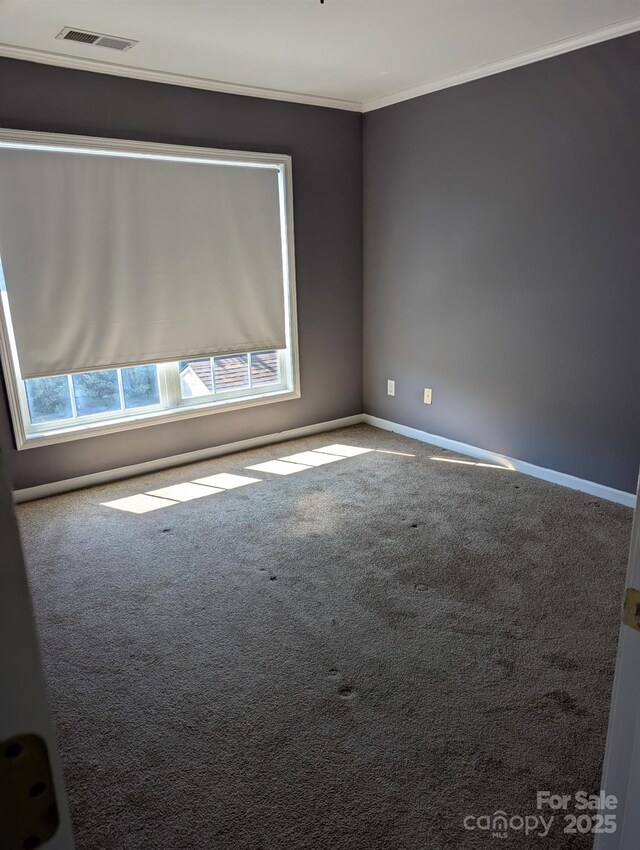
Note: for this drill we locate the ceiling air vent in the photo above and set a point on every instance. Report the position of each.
(96, 39)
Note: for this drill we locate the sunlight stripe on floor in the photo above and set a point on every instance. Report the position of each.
(312, 458)
(184, 492)
(141, 503)
(278, 467)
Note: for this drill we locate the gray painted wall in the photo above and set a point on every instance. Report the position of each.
(326, 146)
(502, 253)
(501, 256)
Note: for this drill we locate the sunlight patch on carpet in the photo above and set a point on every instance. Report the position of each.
(472, 463)
(278, 467)
(227, 481)
(312, 458)
(139, 504)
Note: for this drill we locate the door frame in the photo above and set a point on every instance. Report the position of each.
(621, 769)
(25, 709)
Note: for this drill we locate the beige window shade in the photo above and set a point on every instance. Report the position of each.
(112, 260)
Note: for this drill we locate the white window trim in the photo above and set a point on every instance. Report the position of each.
(102, 424)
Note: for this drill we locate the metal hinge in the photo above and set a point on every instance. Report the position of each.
(27, 795)
(631, 608)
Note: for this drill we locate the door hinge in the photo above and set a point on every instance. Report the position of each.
(631, 608)
(27, 794)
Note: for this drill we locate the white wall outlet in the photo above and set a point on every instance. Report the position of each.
(391, 387)
(427, 396)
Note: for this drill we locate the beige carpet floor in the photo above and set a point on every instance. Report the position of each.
(353, 656)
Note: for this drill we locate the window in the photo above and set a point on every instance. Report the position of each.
(51, 408)
(67, 400)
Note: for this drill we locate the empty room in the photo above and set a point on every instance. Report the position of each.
(320, 424)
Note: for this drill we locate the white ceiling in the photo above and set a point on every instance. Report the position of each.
(355, 54)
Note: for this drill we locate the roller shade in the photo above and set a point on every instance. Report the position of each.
(112, 260)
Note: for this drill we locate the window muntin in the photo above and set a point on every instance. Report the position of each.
(85, 396)
(62, 397)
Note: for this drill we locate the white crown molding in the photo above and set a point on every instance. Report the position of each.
(555, 48)
(602, 491)
(45, 57)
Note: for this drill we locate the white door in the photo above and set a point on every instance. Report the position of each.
(621, 775)
(27, 786)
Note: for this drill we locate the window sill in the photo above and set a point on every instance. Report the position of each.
(113, 426)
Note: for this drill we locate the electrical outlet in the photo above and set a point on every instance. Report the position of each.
(391, 387)
(427, 396)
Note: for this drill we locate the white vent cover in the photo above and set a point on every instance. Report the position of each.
(96, 39)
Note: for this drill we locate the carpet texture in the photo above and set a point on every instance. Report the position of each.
(354, 656)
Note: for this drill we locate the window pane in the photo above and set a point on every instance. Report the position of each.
(196, 378)
(96, 392)
(265, 368)
(140, 386)
(49, 399)
(231, 371)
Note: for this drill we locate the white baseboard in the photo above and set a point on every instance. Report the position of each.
(56, 487)
(41, 491)
(599, 490)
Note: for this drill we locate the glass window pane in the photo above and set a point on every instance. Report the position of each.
(48, 399)
(96, 392)
(140, 386)
(231, 372)
(196, 378)
(265, 368)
